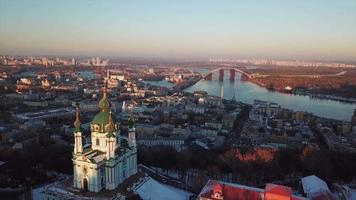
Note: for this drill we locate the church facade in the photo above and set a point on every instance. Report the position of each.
(110, 159)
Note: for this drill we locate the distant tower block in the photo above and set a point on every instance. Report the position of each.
(221, 75)
(222, 91)
(232, 75)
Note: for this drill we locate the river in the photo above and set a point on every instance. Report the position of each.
(246, 92)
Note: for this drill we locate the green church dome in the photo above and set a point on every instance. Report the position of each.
(103, 118)
(104, 104)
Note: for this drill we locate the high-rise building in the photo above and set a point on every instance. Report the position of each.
(44, 61)
(353, 123)
(353, 119)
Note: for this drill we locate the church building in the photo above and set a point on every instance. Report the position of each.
(111, 158)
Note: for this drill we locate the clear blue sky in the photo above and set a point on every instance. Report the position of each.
(304, 29)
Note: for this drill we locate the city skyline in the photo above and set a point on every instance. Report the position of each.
(173, 100)
(310, 30)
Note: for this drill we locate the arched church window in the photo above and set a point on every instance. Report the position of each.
(96, 127)
(97, 142)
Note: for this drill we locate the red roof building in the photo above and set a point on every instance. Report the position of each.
(217, 190)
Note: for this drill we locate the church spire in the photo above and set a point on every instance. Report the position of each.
(111, 122)
(131, 119)
(78, 144)
(132, 122)
(111, 127)
(77, 119)
(104, 104)
(105, 89)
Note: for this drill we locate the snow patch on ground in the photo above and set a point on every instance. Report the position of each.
(313, 184)
(151, 189)
(37, 193)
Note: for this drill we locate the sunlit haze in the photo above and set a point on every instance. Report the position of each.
(316, 30)
(178, 100)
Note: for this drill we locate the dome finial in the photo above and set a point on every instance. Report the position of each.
(77, 119)
(105, 88)
(104, 104)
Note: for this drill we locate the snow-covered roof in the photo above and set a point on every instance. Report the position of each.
(313, 184)
(151, 189)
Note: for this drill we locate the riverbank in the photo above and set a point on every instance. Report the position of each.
(318, 94)
(247, 91)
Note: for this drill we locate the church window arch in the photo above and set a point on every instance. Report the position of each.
(96, 127)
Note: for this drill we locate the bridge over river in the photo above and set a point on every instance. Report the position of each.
(233, 70)
(221, 70)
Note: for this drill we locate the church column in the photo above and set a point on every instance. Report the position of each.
(107, 149)
(107, 180)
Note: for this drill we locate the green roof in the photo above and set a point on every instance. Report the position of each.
(101, 119)
(104, 116)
